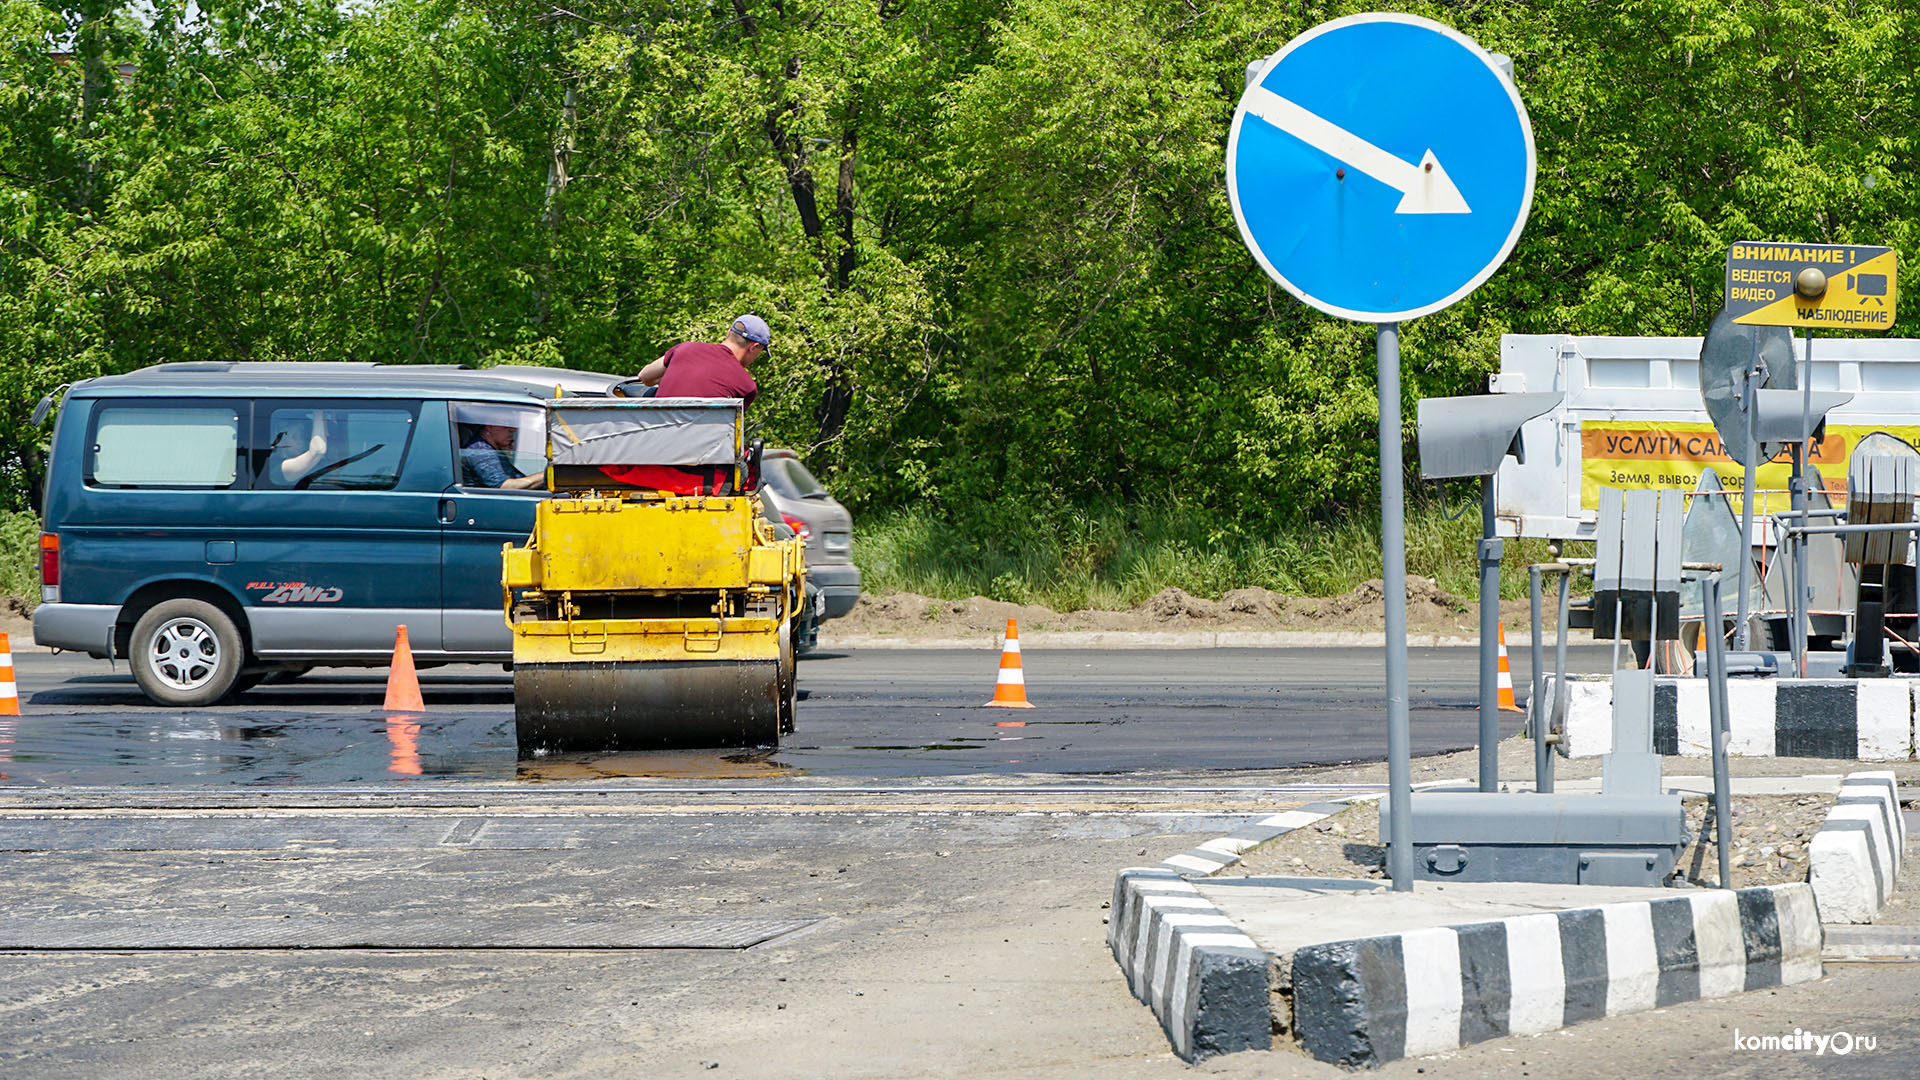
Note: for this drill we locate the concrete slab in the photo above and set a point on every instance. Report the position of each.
(1282, 915)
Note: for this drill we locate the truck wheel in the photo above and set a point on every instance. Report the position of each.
(185, 652)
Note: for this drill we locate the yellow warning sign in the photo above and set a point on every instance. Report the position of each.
(1825, 286)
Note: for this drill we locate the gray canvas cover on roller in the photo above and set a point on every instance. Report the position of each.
(645, 431)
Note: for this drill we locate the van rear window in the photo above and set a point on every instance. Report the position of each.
(184, 446)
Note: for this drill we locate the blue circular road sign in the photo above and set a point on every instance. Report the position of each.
(1380, 167)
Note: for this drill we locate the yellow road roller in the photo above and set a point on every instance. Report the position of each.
(653, 606)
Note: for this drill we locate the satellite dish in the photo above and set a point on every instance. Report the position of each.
(1729, 350)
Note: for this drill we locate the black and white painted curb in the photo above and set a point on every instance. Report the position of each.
(1372, 1000)
(1856, 855)
(1204, 979)
(1848, 719)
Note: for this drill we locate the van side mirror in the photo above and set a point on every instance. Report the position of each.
(41, 410)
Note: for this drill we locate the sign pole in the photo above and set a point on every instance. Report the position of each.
(1489, 638)
(1746, 511)
(1803, 592)
(1393, 558)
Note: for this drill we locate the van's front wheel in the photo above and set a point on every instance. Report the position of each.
(185, 652)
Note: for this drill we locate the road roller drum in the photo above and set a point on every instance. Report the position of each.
(653, 606)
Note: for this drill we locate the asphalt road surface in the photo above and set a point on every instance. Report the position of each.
(874, 714)
(296, 885)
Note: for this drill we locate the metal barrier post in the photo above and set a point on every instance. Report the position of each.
(1489, 632)
(1536, 701)
(1715, 630)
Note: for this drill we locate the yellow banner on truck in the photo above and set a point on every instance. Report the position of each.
(1672, 453)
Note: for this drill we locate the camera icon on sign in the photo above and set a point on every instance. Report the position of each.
(1869, 286)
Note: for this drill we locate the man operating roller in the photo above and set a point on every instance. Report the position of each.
(698, 369)
(709, 369)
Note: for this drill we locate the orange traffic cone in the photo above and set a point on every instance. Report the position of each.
(403, 686)
(9, 689)
(1505, 683)
(1010, 691)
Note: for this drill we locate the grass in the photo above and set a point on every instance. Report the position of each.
(20, 560)
(1114, 557)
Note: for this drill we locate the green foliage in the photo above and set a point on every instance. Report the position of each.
(991, 236)
(20, 559)
(1114, 556)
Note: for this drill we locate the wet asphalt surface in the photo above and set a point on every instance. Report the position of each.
(876, 714)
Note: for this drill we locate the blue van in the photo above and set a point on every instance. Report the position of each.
(216, 523)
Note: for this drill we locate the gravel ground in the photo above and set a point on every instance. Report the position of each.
(1770, 837)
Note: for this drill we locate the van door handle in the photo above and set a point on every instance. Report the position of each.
(447, 510)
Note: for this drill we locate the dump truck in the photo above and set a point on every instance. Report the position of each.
(653, 607)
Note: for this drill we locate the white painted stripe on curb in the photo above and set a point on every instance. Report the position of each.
(1722, 947)
(1538, 977)
(1884, 723)
(1690, 718)
(1841, 873)
(1433, 989)
(1197, 863)
(1633, 964)
(1292, 819)
(1750, 717)
(1228, 845)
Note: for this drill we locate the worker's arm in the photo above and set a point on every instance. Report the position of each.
(526, 483)
(650, 375)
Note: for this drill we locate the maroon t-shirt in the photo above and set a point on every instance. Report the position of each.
(704, 369)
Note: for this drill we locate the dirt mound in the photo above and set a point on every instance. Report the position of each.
(1256, 602)
(1426, 601)
(913, 613)
(1176, 605)
(1430, 610)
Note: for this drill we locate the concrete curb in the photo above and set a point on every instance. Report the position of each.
(1856, 855)
(1203, 978)
(1849, 720)
(1147, 639)
(1372, 1000)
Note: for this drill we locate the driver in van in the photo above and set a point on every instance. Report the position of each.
(486, 460)
(308, 431)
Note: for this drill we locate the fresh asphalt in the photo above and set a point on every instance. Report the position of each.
(866, 715)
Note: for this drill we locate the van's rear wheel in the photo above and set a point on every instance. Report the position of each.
(185, 652)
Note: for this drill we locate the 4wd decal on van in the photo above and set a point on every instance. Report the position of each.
(297, 592)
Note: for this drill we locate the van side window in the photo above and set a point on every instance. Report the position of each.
(331, 446)
(165, 445)
(498, 445)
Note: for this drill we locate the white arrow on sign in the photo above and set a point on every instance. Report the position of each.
(1426, 187)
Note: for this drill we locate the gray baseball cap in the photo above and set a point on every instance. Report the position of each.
(753, 328)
